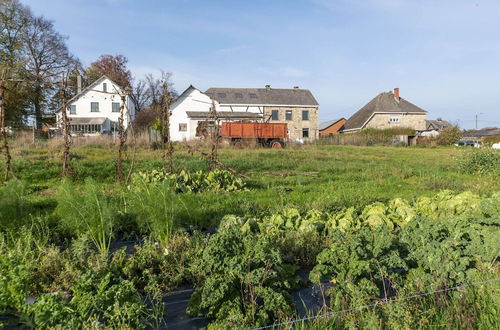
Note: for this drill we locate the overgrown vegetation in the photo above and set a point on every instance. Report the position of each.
(366, 225)
(484, 161)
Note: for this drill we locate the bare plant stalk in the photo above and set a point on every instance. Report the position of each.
(67, 170)
(3, 128)
(122, 134)
(213, 159)
(168, 148)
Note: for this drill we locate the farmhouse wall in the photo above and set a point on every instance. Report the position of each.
(296, 125)
(382, 121)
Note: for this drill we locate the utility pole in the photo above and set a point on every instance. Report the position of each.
(122, 134)
(477, 118)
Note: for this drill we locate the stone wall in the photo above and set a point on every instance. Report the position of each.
(382, 121)
(296, 125)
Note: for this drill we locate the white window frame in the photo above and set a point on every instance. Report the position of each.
(394, 120)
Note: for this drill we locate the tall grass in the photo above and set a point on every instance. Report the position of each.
(14, 205)
(155, 206)
(86, 212)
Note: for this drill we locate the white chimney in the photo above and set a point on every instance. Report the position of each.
(78, 83)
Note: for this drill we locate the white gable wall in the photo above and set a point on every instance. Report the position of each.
(191, 100)
(105, 99)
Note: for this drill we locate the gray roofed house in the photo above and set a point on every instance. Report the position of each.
(481, 133)
(437, 124)
(263, 96)
(387, 110)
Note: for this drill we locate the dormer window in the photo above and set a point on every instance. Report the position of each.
(253, 96)
(221, 95)
(238, 95)
(104, 87)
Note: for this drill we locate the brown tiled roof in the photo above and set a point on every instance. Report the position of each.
(271, 96)
(384, 102)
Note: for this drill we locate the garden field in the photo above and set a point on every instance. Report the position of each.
(361, 237)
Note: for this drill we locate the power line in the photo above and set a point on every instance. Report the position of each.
(377, 304)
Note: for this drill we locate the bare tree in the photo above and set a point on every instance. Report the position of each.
(139, 95)
(48, 58)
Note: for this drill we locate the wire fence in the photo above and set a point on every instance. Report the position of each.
(379, 303)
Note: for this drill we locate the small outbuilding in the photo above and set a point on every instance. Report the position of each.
(331, 127)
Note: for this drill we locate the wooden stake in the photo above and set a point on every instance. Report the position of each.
(67, 170)
(213, 159)
(168, 148)
(122, 134)
(3, 128)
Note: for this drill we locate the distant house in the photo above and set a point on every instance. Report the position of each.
(483, 133)
(296, 107)
(387, 110)
(96, 109)
(331, 127)
(434, 127)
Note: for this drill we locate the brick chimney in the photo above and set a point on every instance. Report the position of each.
(396, 93)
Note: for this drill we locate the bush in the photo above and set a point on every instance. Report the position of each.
(186, 182)
(243, 280)
(449, 136)
(483, 161)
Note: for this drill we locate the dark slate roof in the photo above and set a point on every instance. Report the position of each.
(271, 96)
(326, 124)
(488, 131)
(384, 102)
(225, 114)
(437, 124)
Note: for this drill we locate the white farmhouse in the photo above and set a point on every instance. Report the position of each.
(192, 107)
(96, 109)
(296, 107)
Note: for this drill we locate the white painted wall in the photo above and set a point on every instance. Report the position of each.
(191, 100)
(105, 101)
(194, 100)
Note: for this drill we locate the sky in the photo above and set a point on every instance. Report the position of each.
(444, 55)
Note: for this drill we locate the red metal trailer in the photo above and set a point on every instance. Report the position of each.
(268, 134)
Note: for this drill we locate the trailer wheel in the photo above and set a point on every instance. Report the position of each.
(276, 144)
(237, 143)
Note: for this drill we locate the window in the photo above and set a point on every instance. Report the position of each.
(394, 120)
(238, 95)
(115, 107)
(183, 127)
(288, 115)
(72, 109)
(305, 132)
(94, 106)
(104, 87)
(114, 126)
(305, 114)
(253, 96)
(275, 115)
(221, 95)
